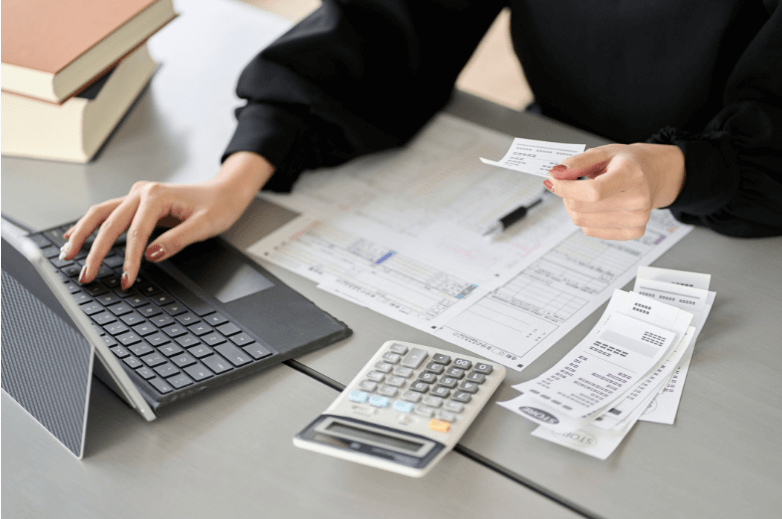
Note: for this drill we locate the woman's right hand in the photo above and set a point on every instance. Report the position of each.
(203, 210)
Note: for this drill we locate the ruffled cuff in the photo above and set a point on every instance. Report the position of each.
(711, 174)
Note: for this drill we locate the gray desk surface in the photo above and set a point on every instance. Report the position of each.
(719, 460)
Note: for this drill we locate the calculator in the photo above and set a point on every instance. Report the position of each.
(405, 409)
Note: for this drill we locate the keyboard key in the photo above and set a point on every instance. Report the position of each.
(63, 277)
(483, 368)
(183, 359)
(140, 349)
(157, 339)
(55, 236)
(81, 297)
(147, 289)
(120, 352)
(162, 320)
(39, 240)
(120, 309)
(73, 288)
(187, 318)
(202, 350)
(60, 263)
(160, 385)
(233, 354)
(126, 293)
(103, 318)
(187, 340)
(256, 351)
(136, 301)
(145, 373)
(72, 272)
(414, 358)
(112, 281)
(154, 359)
(113, 261)
(241, 339)
(144, 329)
(170, 350)
(116, 328)
(462, 364)
(166, 370)
(103, 272)
(162, 299)
(174, 330)
(150, 311)
(215, 319)
(441, 359)
(98, 329)
(478, 378)
(128, 338)
(109, 298)
(109, 341)
(180, 381)
(217, 364)
(175, 309)
(213, 339)
(132, 362)
(95, 289)
(200, 329)
(228, 329)
(132, 319)
(434, 367)
(50, 252)
(91, 308)
(198, 372)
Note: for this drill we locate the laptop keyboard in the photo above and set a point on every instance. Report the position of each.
(171, 344)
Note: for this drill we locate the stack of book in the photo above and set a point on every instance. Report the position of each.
(71, 69)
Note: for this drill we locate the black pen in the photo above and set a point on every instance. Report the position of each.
(511, 218)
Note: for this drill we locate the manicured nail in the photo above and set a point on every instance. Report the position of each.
(549, 185)
(155, 252)
(82, 273)
(124, 280)
(559, 168)
(64, 250)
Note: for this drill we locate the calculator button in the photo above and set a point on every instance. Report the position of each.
(387, 391)
(454, 407)
(359, 396)
(411, 396)
(424, 411)
(441, 391)
(462, 363)
(446, 415)
(441, 359)
(432, 401)
(427, 377)
(395, 381)
(414, 358)
(455, 373)
(367, 385)
(469, 387)
(486, 369)
(402, 406)
(478, 378)
(376, 376)
(383, 367)
(448, 382)
(398, 348)
(401, 371)
(379, 401)
(391, 358)
(440, 426)
(419, 386)
(462, 396)
(435, 368)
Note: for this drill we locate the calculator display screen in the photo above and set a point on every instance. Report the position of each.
(363, 434)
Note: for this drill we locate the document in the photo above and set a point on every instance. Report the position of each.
(535, 157)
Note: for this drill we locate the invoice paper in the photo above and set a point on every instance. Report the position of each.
(535, 157)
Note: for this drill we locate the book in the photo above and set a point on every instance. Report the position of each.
(75, 130)
(52, 49)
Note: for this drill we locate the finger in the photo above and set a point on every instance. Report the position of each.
(196, 228)
(619, 202)
(86, 226)
(615, 234)
(610, 220)
(590, 163)
(151, 209)
(114, 225)
(619, 175)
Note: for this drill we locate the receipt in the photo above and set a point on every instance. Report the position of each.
(535, 157)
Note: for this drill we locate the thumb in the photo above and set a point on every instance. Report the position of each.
(195, 228)
(589, 164)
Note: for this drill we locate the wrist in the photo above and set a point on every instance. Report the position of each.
(666, 164)
(244, 173)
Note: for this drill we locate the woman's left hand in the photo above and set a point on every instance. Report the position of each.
(625, 183)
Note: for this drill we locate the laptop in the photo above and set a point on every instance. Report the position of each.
(201, 319)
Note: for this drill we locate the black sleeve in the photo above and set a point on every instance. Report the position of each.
(733, 178)
(356, 76)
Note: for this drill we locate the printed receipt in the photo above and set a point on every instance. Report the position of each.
(535, 157)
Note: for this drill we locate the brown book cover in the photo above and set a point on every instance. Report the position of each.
(52, 48)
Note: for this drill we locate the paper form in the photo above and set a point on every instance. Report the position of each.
(535, 157)
(518, 322)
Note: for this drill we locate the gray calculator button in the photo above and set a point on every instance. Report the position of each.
(441, 391)
(391, 358)
(454, 407)
(455, 373)
(434, 367)
(441, 359)
(427, 377)
(367, 385)
(470, 387)
(462, 363)
(462, 396)
(384, 367)
(448, 382)
(432, 401)
(395, 381)
(402, 371)
(421, 387)
(398, 348)
(424, 411)
(446, 415)
(484, 368)
(415, 358)
(478, 378)
(387, 390)
(411, 396)
(376, 376)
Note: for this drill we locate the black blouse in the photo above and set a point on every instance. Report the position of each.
(358, 76)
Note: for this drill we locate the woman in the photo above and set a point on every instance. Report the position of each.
(695, 93)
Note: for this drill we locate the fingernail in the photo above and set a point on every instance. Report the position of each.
(155, 252)
(559, 168)
(82, 273)
(549, 185)
(64, 250)
(124, 280)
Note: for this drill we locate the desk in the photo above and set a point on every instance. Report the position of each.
(229, 451)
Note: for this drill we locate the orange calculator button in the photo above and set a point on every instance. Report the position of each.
(439, 425)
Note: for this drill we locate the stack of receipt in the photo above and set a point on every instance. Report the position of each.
(631, 365)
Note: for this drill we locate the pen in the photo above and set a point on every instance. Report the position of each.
(512, 217)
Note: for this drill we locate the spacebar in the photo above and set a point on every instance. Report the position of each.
(192, 301)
